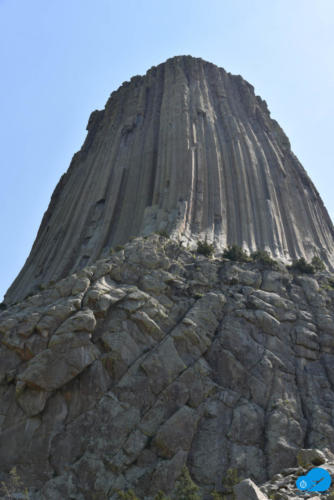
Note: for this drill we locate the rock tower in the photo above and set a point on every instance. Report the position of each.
(154, 366)
(188, 149)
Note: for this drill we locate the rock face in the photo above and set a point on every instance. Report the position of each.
(155, 357)
(129, 366)
(188, 149)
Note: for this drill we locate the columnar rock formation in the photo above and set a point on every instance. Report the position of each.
(188, 149)
(134, 363)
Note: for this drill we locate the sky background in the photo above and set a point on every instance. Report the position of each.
(61, 59)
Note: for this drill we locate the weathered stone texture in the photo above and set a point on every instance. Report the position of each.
(233, 380)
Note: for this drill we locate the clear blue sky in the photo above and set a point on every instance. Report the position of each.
(61, 59)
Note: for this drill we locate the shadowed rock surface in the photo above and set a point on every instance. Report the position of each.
(155, 357)
(188, 149)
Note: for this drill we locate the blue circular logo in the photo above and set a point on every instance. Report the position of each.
(302, 483)
(317, 479)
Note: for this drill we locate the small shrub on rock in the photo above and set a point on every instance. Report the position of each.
(127, 495)
(163, 233)
(216, 496)
(236, 253)
(318, 264)
(186, 489)
(230, 480)
(205, 248)
(302, 266)
(161, 496)
(13, 486)
(264, 258)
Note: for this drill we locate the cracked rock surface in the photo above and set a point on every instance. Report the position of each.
(117, 376)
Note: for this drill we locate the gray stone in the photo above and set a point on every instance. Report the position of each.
(149, 325)
(50, 370)
(163, 365)
(267, 323)
(81, 321)
(235, 274)
(247, 424)
(80, 285)
(193, 335)
(274, 281)
(177, 433)
(123, 351)
(103, 294)
(247, 490)
(306, 338)
(167, 472)
(56, 314)
(32, 401)
(308, 457)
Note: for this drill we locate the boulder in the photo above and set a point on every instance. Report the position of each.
(247, 490)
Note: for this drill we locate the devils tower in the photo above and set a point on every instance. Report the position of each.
(132, 365)
(188, 149)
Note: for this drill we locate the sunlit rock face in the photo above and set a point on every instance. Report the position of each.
(188, 149)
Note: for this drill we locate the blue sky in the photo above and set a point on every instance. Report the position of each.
(61, 59)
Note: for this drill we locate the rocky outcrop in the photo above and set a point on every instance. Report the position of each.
(188, 149)
(282, 486)
(118, 375)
